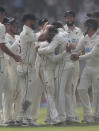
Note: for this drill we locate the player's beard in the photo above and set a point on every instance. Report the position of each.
(33, 26)
(70, 24)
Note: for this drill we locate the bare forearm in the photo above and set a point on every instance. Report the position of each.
(5, 49)
(42, 37)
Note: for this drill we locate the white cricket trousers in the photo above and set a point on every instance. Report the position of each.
(49, 91)
(75, 82)
(31, 91)
(6, 93)
(89, 77)
(65, 92)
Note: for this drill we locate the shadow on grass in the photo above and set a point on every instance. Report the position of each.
(54, 126)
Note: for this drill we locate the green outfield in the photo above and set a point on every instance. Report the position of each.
(77, 127)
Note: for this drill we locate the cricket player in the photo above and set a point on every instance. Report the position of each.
(90, 73)
(12, 42)
(49, 74)
(40, 62)
(60, 40)
(64, 74)
(3, 73)
(29, 84)
(75, 34)
(95, 15)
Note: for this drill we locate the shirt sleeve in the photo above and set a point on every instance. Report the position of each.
(49, 49)
(92, 54)
(58, 39)
(2, 34)
(24, 45)
(35, 36)
(57, 58)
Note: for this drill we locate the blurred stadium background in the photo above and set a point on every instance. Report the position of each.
(53, 9)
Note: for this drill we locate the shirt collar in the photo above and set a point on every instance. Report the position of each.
(93, 36)
(27, 28)
(68, 29)
(10, 36)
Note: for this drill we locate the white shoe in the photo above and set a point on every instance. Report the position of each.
(1, 116)
(88, 119)
(52, 122)
(71, 120)
(30, 122)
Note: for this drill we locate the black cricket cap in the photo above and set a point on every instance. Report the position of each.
(12, 21)
(42, 21)
(69, 13)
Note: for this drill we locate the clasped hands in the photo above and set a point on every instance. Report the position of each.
(70, 47)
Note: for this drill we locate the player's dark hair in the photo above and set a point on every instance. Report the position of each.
(2, 10)
(57, 24)
(53, 29)
(91, 23)
(28, 17)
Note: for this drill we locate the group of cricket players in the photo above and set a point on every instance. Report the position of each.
(47, 61)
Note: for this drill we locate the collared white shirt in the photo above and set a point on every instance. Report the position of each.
(75, 35)
(27, 43)
(91, 45)
(60, 39)
(13, 44)
(9, 40)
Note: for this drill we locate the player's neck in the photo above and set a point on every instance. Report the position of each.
(72, 27)
(91, 33)
(13, 35)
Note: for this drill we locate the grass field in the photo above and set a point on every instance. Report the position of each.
(80, 127)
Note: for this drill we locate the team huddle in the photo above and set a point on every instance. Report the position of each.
(47, 62)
